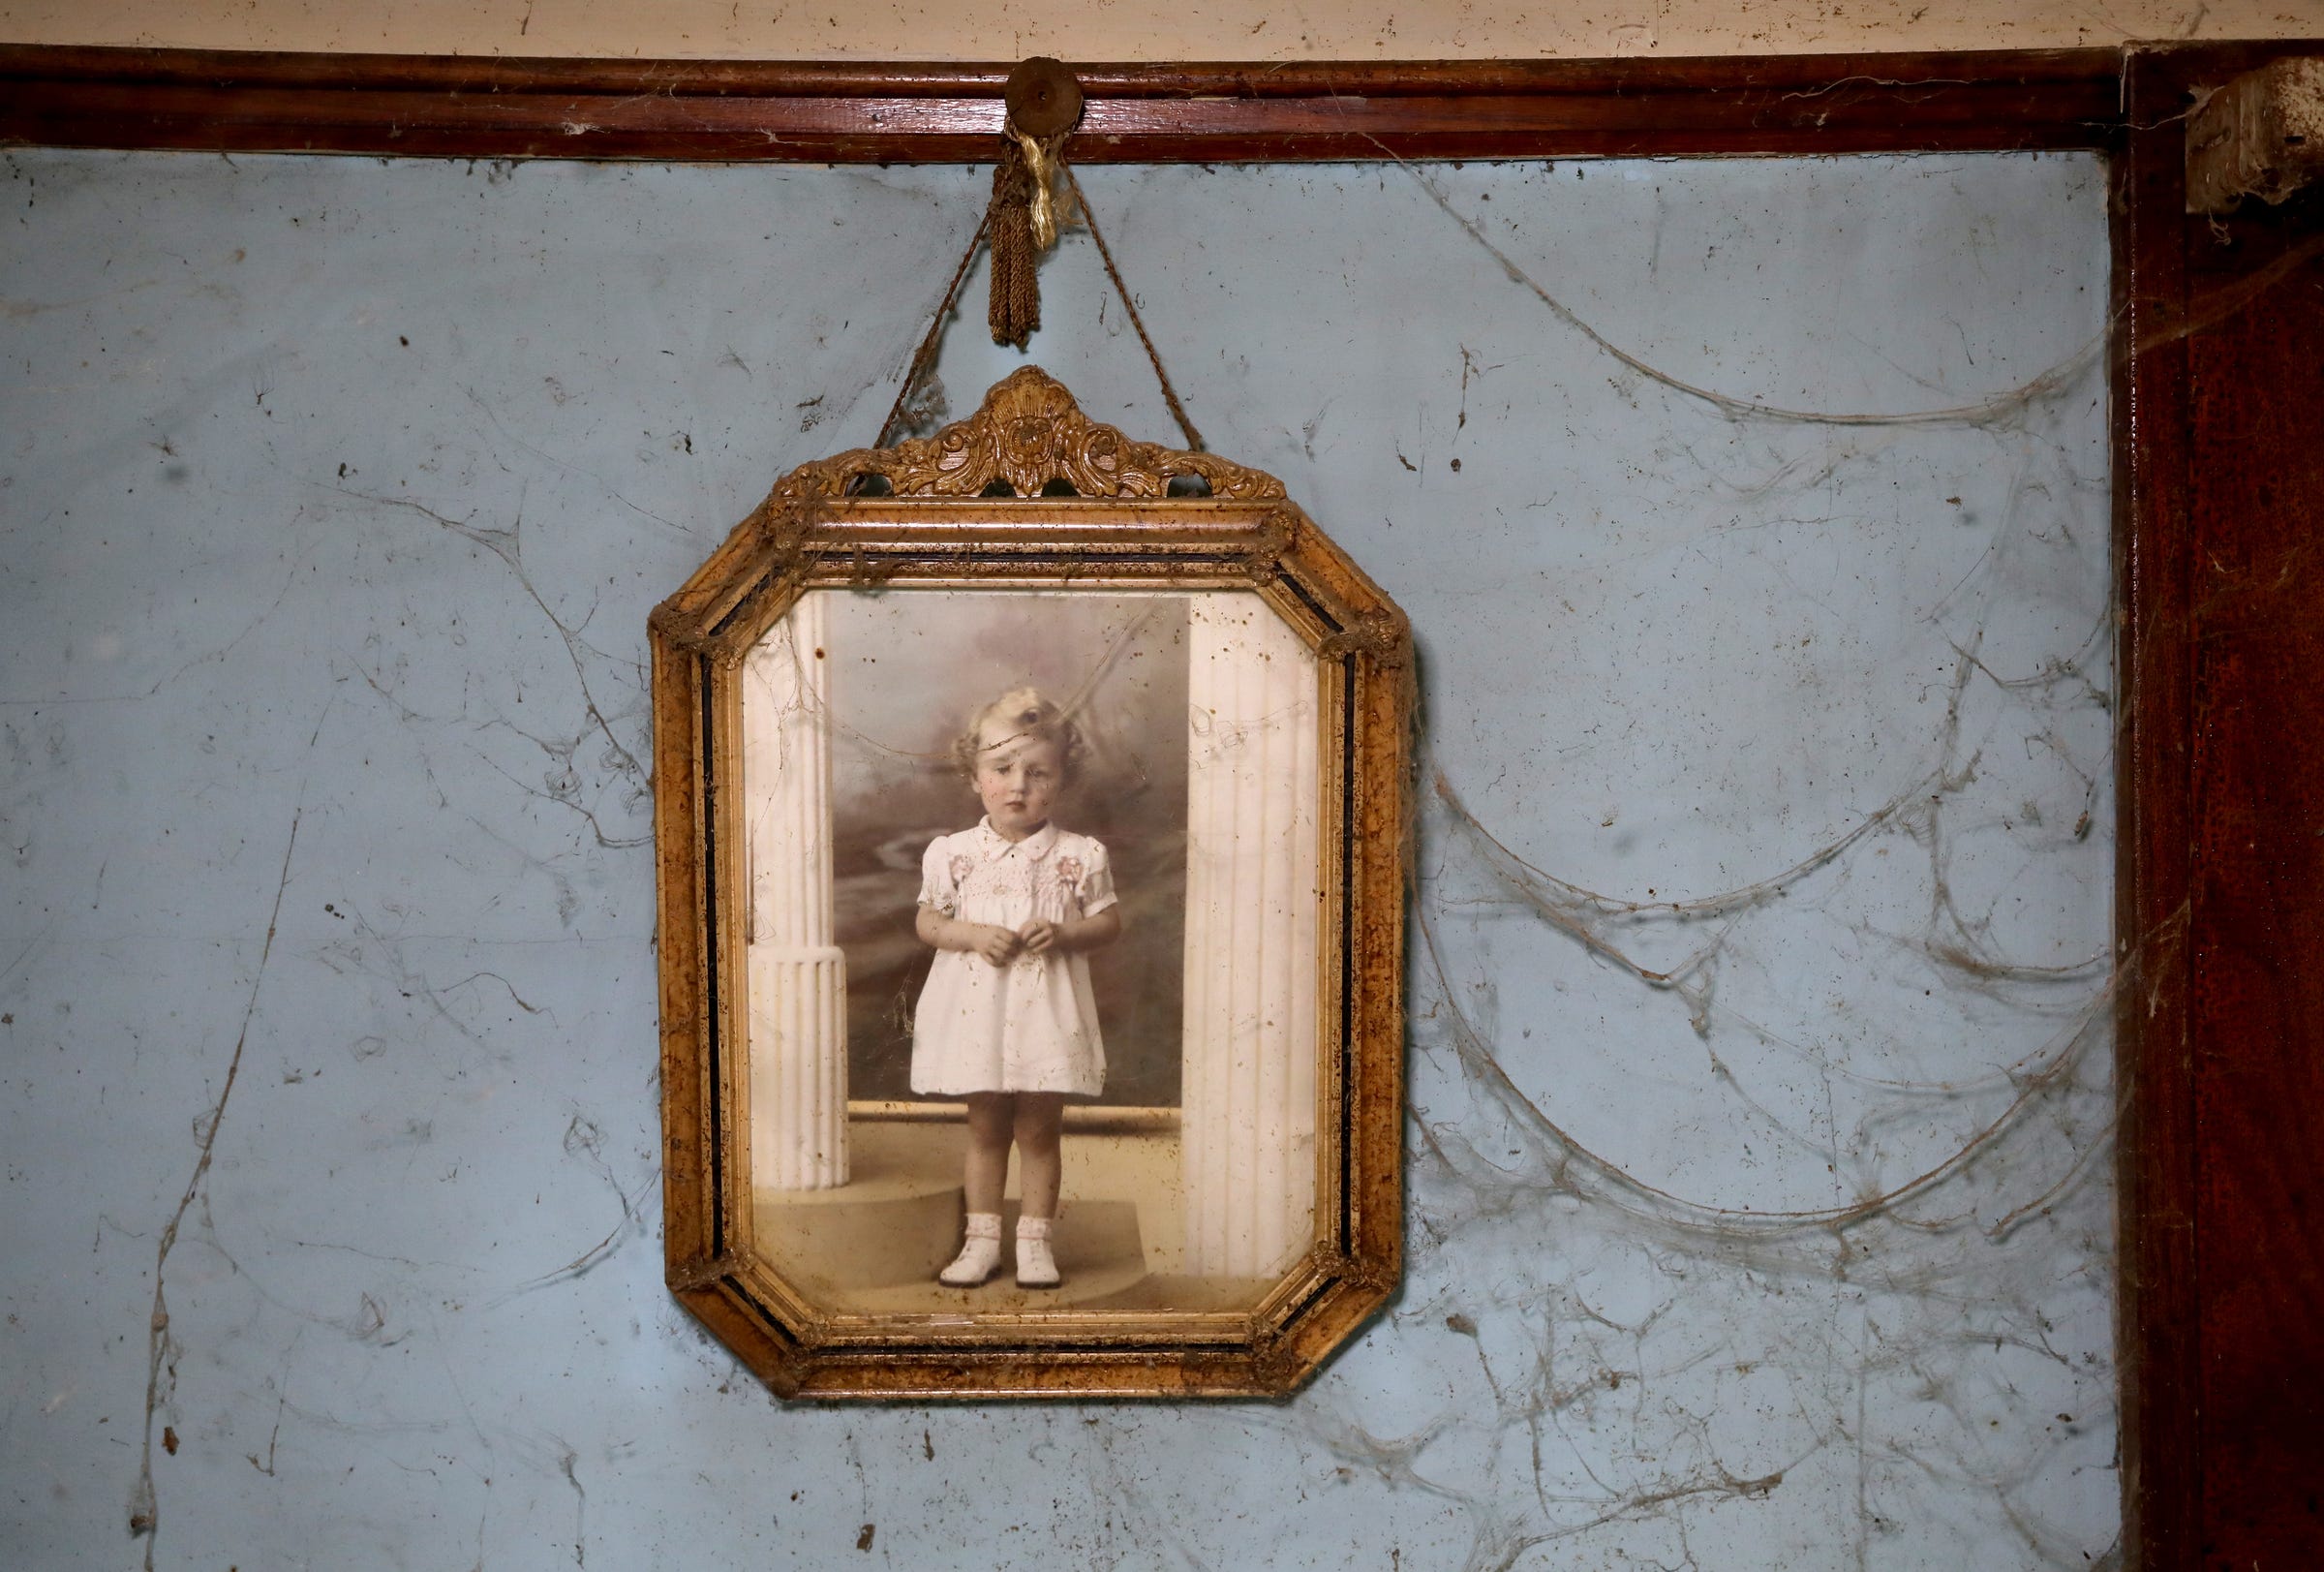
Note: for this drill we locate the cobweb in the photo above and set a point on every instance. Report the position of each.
(1759, 1207)
(1768, 1151)
(1761, 980)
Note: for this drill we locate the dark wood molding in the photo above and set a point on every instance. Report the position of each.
(2155, 1247)
(416, 105)
(2220, 492)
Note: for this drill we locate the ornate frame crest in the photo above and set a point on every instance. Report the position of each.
(1029, 494)
(1030, 436)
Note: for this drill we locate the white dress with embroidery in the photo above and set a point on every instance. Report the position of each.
(1030, 1025)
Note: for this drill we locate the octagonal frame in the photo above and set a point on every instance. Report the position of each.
(931, 513)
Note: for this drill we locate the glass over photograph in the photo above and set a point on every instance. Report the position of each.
(1035, 918)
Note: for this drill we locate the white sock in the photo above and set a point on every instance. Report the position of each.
(979, 1254)
(1037, 1267)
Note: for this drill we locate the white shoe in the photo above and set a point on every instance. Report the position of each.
(979, 1253)
(1037, 1267)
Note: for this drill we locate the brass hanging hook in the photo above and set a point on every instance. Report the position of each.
(1043, 105)
(1044, 97)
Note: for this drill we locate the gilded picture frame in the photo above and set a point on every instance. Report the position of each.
(1246, 692)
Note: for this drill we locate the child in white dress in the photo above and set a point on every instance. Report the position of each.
(1006, 1019)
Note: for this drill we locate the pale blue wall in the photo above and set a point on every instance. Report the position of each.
(335, 495)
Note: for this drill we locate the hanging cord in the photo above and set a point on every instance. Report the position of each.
(1170, 394)
(924, 359)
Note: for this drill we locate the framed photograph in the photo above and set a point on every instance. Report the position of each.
(1031, 832)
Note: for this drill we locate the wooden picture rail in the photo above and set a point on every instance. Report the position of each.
(2217, 398)
(726, 111)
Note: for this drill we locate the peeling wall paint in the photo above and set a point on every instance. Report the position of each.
(1753, 518)
(1207, 30)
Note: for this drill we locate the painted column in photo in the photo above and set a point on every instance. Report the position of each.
(1252, 901)
(798, 1077)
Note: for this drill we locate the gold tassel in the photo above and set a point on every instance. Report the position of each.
(1040, 162)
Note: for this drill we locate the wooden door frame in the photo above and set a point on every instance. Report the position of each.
(2180, 1131)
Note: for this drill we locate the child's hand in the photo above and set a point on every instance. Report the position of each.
(1037, 937)
(997, 946)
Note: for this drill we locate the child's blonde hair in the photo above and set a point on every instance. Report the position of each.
(1024, 713)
